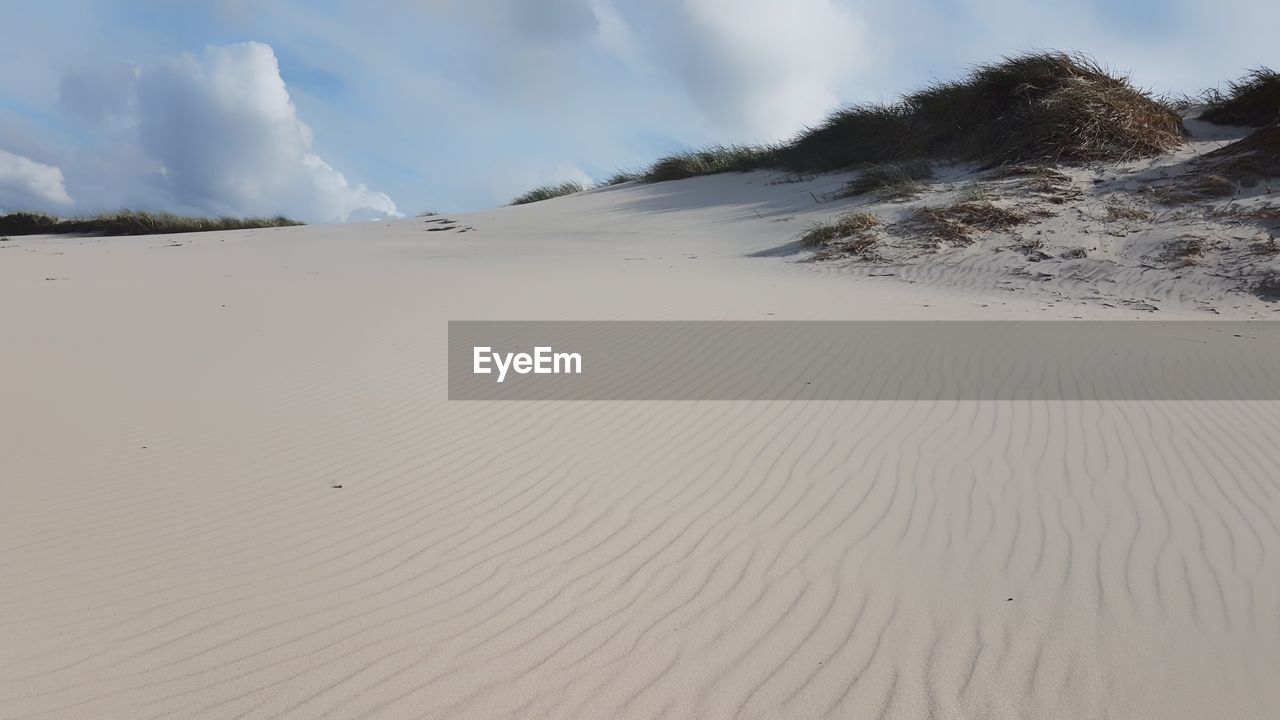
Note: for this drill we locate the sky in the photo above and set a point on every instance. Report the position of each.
(352, 110)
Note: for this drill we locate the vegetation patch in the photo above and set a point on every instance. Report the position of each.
(956, 224)
(1199, 187)
(1048, 106)
(622, 176)
(720, 159)
(131, 222)
(1184, 250)
(1033, 248)
(1249, 159)
(857, 135)
(27, 223)
(1116, 212)
(546, 192)
(1042, 182)
(1036, 107)
(890, 181)
(1212, 186)
(849, 235)
(1253, 100)
(1267, 247)
(975, 192)
(1265, 215)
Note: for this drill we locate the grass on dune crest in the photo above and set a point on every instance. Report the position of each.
(1043, 107)
(546, 192)
(720, 159)
(1253, 100)
(1049, 107)
(621, 176)
(861, 134)
(130, 222)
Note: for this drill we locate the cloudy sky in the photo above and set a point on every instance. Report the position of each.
(343, 110)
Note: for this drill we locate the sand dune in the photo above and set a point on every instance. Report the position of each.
(176, 421)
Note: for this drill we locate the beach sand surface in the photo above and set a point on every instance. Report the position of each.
(177, 413)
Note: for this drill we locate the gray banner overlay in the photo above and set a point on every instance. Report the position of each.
(917, 360)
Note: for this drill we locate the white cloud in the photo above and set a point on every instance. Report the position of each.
(215, 133)
(28, 185)
(759, 69)
(613, 34)
(440, 97)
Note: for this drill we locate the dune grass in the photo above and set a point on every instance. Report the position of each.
(1253, 100)
(1035, 107)
(546, 192)
(622, 176)
(1248, 160)
(28, 223)
(848, 236)
(857, 135)
(1045, 107)
(712, 161)
(847, 226)
(130, 222)
(890, 181)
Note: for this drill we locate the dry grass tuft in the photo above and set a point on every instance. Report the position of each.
(1029, 171)
(131, 222)
(955, 224)
(1047, 107)
(1117, 212)
(1042, 182)
(1184, 250)
(1213, 186)
(975, 192)
(1265, 215)
(1031, 246)
(1201, 187)
(845, 226)
(1267, 247)
(851, 234)
(890, 181)
(1253, 100)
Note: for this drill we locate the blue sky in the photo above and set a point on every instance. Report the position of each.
(343, 110)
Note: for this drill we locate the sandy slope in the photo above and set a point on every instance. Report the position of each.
(173, 419)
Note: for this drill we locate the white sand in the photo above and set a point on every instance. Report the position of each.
(172, 420)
